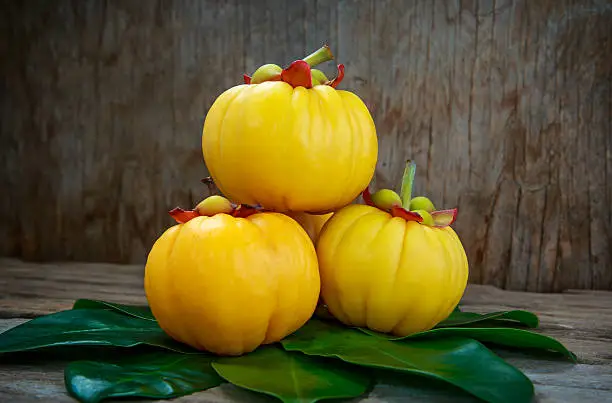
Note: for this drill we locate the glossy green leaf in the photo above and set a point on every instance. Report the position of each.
(157, 375)
(500, 336)
(292, 377)
(93, 327)
(516, 317)
(462, 362)
(137, 311)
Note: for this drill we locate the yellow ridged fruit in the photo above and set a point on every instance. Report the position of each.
(389, 274)
(290, 149)
(228, 285)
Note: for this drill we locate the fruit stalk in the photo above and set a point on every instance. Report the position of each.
(322, 55)
(407, 182)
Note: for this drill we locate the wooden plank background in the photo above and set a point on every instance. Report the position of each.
(505, 105)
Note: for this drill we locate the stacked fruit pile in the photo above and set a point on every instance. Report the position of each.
(290, 153)
(298, 292)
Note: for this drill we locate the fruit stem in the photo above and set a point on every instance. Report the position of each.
(319, 56)
(210, 184)
(407, 182)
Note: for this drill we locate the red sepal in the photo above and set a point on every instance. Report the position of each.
(297, 74)
(247, 79)
(405, 214)
(336, 81)
(444, 218)
(182, 216)
(367, 197)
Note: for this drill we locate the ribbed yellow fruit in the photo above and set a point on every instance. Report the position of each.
(388, 274)
(290, 149)
(227, 285)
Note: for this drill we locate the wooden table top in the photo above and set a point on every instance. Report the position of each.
(582, 320)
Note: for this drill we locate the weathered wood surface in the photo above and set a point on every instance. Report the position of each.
(504, 104)
(582, 320)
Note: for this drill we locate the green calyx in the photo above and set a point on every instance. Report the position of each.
(318, 77)
(421, 203)
(273, 72)
(214, 204)
(267, 72)
(413, 207)
(386, 199)
(427, 218)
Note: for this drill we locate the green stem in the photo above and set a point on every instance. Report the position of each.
(322, 55)
(407, 182)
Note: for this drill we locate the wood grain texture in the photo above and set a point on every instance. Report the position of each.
(28, 290)
(580, 319)
(506, 105)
